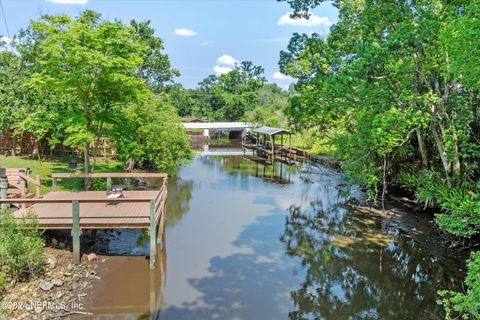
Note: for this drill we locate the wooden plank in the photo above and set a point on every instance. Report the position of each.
(54, 211)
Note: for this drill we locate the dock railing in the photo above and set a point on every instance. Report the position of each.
(155, 215)
(108, 176)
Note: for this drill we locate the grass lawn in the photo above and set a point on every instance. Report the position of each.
(47, 165)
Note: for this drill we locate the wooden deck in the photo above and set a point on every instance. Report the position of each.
(93, 210)
(101, 214)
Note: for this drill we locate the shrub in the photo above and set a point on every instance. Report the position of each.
(460, 203)
(2, 281)
(21, 246)
(99, 184)
(459, 305)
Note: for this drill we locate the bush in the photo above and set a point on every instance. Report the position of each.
(460, 203)
(21, 246)
(459, 305)
(99, 184)
(2, 281)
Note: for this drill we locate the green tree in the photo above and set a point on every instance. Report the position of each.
(92, 61)
(397, 83)
(156, 69)
(151, 135)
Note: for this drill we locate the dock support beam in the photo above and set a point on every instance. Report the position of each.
(153, 238)
(76, 231)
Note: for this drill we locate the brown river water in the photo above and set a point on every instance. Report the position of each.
(242, 242)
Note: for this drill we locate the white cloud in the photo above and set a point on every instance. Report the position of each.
(227, 60)
(69, 1)
(313, 20)
(282, 80)
(6, 40)
(281, 77)
(184, 32)
(221, 69)
(205, 43)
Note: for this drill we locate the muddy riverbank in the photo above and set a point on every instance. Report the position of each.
(60, 293)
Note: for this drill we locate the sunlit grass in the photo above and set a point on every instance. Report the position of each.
(45, 166)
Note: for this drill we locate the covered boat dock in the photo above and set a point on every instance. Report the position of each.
(273, 144)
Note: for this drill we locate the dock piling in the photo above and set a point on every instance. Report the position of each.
(153, 229)
(76, 231)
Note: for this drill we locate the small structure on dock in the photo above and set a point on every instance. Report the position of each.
(267, 148)
(82, 210)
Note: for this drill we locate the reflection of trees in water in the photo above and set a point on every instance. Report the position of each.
(240, 167)
(354, 271)
(179, 195)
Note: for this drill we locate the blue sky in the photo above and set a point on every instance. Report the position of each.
(201, 37)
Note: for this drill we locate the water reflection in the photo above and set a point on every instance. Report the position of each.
(178, 201)
(241, 247)
(279, 172)
(356, 268)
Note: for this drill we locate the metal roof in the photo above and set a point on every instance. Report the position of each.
(271, 131)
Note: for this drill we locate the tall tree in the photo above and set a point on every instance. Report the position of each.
(93, 61)
(156, 69)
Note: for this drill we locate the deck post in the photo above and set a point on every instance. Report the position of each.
(54, 184)
(153, 229)
(109, 183)
(37, 186)
(3, 191)
(76, 231)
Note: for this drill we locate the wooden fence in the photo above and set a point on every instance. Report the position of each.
(24, 144)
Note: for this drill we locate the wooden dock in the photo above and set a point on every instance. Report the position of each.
(93, 210)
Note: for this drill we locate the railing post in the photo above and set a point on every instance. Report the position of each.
(37, 186)
(76, 231)
(54, 184)
(23, 191)
(153, 229)
(109, 183)
(3, 191)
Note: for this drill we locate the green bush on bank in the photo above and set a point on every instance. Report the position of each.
(460, 204)
(2, 282)
(21, 247)
(459, 305)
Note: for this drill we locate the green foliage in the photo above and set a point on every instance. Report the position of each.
(462, 41)
(397, 83)
(155, 69)
(93, 62)
(21, 247)
(99, 184)
(72, 81)
(2, 281)
(152, 136)
(239, 95)
(466, 305)
(460, 204)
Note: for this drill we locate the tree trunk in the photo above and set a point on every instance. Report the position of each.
(95, 147)
(422, 147)
(441, 150)
(86, 161)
